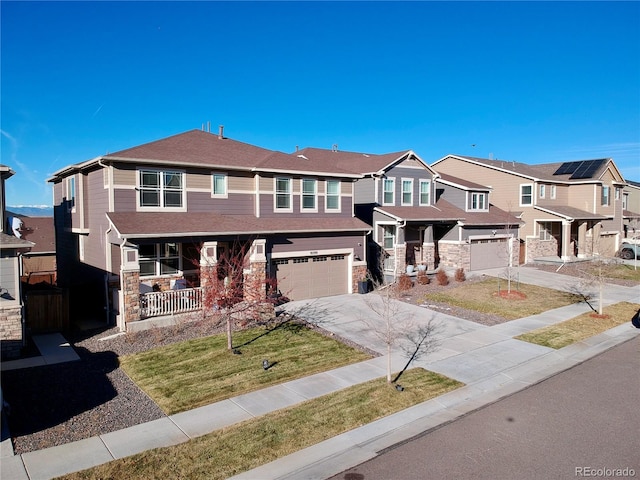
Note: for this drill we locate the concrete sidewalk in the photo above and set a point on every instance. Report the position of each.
(487, 359)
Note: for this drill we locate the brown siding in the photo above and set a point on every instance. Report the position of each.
(124, 200)
(97, 206)
(321, 242)
(235, 204)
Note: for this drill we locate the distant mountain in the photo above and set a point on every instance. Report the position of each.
(31, 210)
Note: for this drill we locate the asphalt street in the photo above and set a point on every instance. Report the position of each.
(583, 422)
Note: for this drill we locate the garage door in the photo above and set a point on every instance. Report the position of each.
(489, 253)
(309, 277)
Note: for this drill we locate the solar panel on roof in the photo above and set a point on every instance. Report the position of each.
(587, 169)
(568, 167)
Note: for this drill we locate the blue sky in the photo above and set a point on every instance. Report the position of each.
(526, 81)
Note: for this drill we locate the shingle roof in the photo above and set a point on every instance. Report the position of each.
(571, 212)
(462, 182)
(41, 231)
(9, 241)
(170, 224)
(354, 162)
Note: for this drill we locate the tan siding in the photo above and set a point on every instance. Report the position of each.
(199, 180)
(124, 175)
(581, 196)
(241, 183)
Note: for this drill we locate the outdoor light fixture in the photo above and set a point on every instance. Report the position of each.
(236, 351)
(399, 388)
(265, 364)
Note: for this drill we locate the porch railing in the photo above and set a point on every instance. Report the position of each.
(155, 304)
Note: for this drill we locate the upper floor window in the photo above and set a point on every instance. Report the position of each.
(552, 192)
(605, 195)
(388, 191)
(617, 193)
(161, 189)
(332, 195)
(283, 194)
(425, 192)
(526, 194)
(478, 201)
(309, 194)
(625, 201)
(388, 236)
(71, 192)
(542, 191)
(407, 191)
(219, 185)
(159, 259)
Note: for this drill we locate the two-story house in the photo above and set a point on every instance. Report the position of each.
(12, 335)
(155, 214)
(418, 217)
(569, 209)
(631, 209)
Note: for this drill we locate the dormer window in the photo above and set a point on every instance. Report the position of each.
(478, 201)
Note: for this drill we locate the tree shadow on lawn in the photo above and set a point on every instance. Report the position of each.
(43, 397)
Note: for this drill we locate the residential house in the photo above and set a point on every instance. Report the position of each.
(569, 210)
(155, 215)
(12, 335)
(418, 217)
(631, 209)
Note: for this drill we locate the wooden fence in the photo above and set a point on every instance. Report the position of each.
(47, 310)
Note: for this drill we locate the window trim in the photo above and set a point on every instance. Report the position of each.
(605, 199)
(161, 190)
(485, 204)
(552, 192)
(71, 193)
(225, 177)
(338, 196)
(393, 236)
(545, 232)
(409, 181)
(530, 195)
(392, 182)
(428, 183)
(158, 256)
(313, 195)
(288, 193)
(542, 190)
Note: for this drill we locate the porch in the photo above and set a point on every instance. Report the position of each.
(170, 302)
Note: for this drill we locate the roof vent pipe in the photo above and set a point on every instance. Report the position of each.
(334, 147)
(208, 127)
(221, 132)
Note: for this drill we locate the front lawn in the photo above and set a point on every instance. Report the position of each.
(252, 443)
(581, 327)
(483, 297)
(198, 372)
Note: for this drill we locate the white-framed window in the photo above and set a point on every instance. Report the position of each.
(605, 198)
(552, 192)
(542, 190)
(548, 230)
(283, 194)
(219, 185)
(478, 201)
(388, 191)
(332, 195)
(425, 192)
(526, 194)
(71, 192)
(159, 259)
(617, 193)
(388, 236)
(407, 191)
(625, 201)
(309, 201)
(161, 189)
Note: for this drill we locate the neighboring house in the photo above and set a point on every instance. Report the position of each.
(631, 209)
(569, 210)
(11, 305)
(160, 212)
(39, 264)
(419, 218)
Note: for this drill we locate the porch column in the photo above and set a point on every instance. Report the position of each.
(401, 258)
(208, 261)
(566, 241)
(255, 277)
(130, 284)
(429, 248)
(584, 249)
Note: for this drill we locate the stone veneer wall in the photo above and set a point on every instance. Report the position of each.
(537, 248)
(11, 341)
(455, 255)
(131, 296)
(358, 272)
(254, 283)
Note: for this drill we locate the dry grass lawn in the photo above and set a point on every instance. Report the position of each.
(581, 327)
(483, 297)
(247, 445)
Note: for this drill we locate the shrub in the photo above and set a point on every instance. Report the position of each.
(404, 282)
(442, 277)
(422, 277)
(460, 276)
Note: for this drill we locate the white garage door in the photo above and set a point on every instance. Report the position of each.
(308, 277)
(489, 253)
